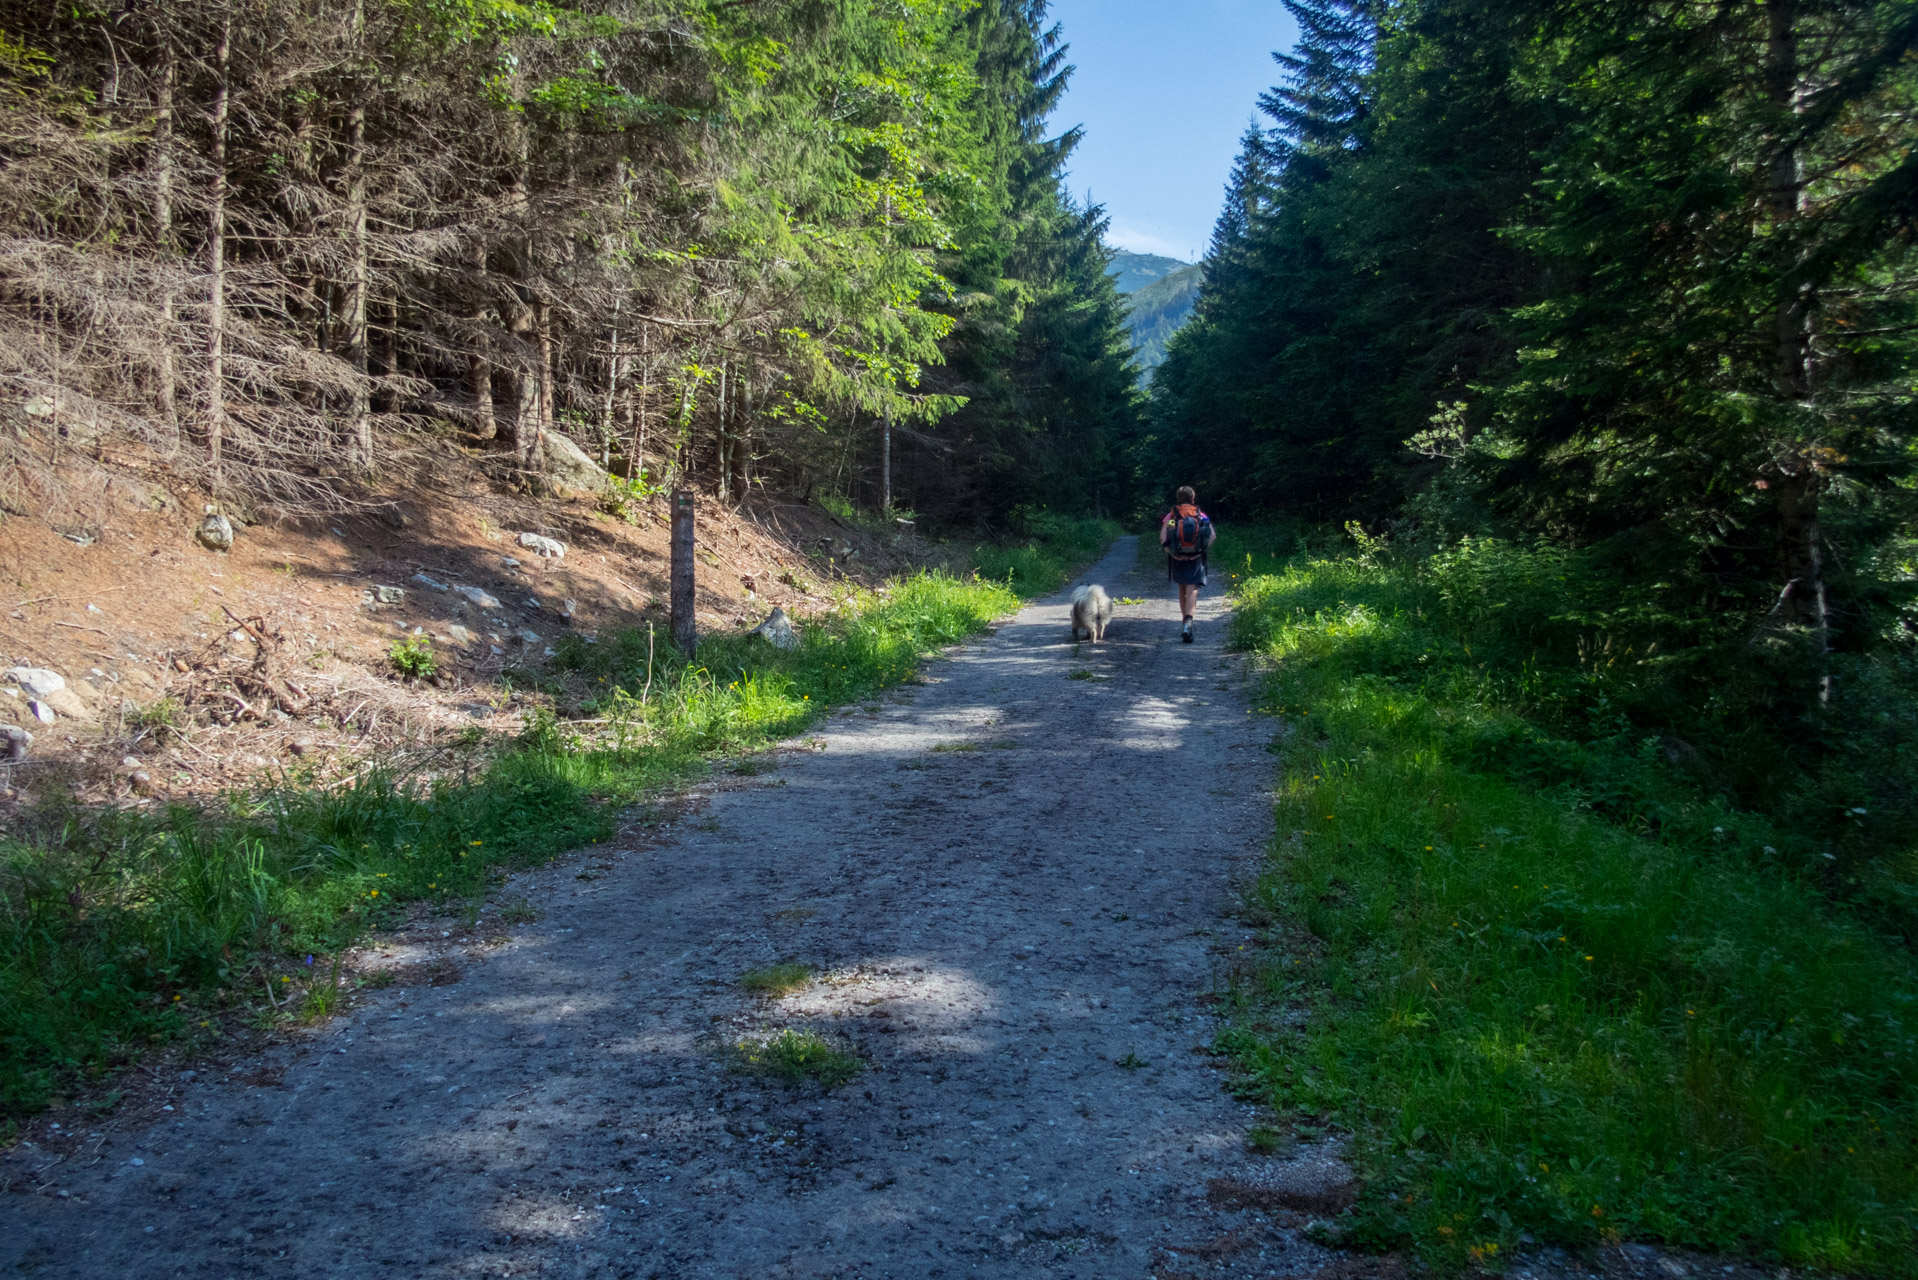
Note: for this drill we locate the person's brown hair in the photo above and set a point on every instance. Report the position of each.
(1186, 496)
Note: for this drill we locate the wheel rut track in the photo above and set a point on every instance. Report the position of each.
(1016, 885)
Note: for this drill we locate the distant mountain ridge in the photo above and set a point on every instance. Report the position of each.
(1159, 294)
(1132, 272)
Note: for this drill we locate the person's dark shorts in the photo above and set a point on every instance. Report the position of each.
(1189, 573)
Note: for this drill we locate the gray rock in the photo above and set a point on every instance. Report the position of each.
(460, 635)
(41, 711)
(527, 635)
(215, 533)
(567, 465)
(431, 584)
(14, 743)
(567, 608)
(374, 597)
(551, 548)
(37, 681)
(532, 602)
(68, 703)
(777, 631)
(484, 599)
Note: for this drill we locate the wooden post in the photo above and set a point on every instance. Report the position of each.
(685, 632)
(885, 464)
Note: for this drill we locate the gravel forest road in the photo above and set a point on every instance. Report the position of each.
(1014, 881)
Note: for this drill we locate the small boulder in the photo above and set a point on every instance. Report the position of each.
(551, 548)
(527, 636)
(777, 631)
(41, 711)
(14, 743)
(567, 465)
(567, 608)
(484, 599)
(460, 635)
(37, 681)
(68, 703)
(215, 533)
(431, 584)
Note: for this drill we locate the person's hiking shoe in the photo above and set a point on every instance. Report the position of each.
(1185, 636)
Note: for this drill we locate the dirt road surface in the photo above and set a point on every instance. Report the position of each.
(1014, 882)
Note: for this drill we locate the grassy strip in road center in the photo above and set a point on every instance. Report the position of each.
(1536, 1013)
(124, 928)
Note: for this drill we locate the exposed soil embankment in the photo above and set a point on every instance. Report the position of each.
(189, 671)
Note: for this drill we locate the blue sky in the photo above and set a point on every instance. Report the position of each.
(1164, 88)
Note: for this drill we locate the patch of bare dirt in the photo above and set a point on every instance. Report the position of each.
(274, 654)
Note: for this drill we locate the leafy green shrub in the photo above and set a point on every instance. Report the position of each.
(412, 656)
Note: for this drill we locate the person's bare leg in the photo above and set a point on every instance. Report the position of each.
(1188, 602)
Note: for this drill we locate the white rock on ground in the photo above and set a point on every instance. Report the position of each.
(484, 599)
(551, 548)
(777, 631)
(215, 533)
(15, 742)
(567, 465)
(38, 681)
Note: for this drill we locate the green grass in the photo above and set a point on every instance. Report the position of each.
(794, 1057)
(1053, 550)
(120, 929)
(1551, 981)
(777, 979)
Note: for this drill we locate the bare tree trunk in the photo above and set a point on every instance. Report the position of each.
(636, 458)
(1784, 88)
(615, 364)
(216, 253)
(885, 463)
(479, 371)
(1803, 600)
(160, 162)
(742, 442)
(543, 420)
(723, 454)
(359, 418)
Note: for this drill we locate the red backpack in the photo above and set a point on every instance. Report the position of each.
(1190, 530)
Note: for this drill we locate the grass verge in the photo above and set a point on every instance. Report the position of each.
(122, 928)
(1551, 985)
(1053, 548)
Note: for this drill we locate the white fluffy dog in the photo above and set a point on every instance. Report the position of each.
(1091, 612)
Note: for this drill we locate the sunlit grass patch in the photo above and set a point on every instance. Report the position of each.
(777, 979)
(794, 1057)
(135, 908)
(1551, 987)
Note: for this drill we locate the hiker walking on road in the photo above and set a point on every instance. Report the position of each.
(1186, 533)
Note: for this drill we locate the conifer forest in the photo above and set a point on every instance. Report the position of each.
(724, 241)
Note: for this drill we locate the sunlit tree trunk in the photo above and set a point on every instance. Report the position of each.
(479, 370)
(354, 347)
(215, 429)
(160, 165)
